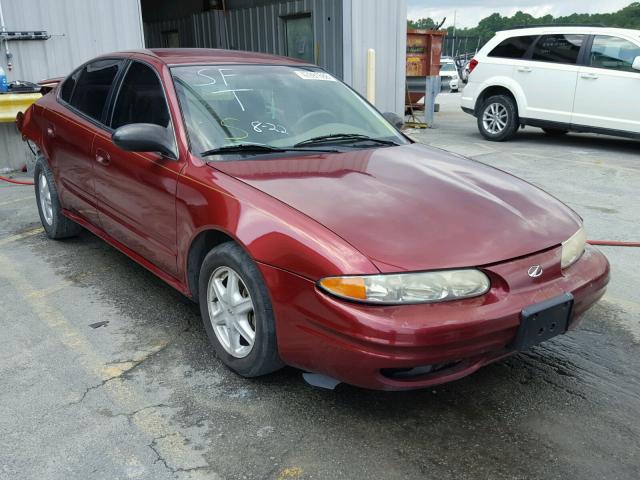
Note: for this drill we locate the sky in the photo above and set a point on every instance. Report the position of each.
(470, 12)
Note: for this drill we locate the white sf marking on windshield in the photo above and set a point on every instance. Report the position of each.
(224, 79)
(212, 82)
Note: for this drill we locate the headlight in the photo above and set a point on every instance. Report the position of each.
(573, 248)
(408, 288)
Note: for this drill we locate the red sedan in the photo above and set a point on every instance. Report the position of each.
(309, 229)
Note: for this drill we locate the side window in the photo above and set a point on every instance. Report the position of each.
(613, 53)
(68, 86)
(141, 99)
(93, 86)
(558, 48)
(514, 47)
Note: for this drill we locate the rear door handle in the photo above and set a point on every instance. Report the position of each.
(102, 157)
(589, 76)
(525, 69)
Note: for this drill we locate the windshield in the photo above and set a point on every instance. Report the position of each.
(448, 67)
(276, 106)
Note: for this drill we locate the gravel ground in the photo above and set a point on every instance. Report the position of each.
(143, 396)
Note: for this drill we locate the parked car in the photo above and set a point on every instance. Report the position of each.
(449, 75)
(311, 232)
(561, 79)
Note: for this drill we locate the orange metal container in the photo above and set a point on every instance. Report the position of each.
(424, 49)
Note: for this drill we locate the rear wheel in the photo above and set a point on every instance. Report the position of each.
(55, 224)
(555, 132)
(498, 118)
(236, 311)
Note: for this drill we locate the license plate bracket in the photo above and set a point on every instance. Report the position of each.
(543, 321)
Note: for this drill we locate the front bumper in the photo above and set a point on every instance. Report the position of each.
(358, 344)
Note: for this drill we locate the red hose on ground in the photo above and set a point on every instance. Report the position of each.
(608, 243)
(15, 182)
(602, 243)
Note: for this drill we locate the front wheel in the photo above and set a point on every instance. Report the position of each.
(237, 313)
(498, 118)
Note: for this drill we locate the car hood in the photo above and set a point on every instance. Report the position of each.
(413, 207)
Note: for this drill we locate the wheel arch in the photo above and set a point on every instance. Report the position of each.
(204, 241)
(503, 88)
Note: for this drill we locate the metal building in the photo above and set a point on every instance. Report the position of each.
(335, 34)
(78, 29)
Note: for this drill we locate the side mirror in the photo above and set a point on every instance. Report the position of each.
(145, 137)
(394, 119)
(636, 63)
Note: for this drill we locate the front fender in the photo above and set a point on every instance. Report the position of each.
(270, 231)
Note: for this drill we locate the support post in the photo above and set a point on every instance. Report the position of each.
(371, 76)
(431, 92)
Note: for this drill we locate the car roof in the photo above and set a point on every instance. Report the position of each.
(569, 29)
(205, 56)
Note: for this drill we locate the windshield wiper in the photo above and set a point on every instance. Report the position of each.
(345, 137)
(257, 148)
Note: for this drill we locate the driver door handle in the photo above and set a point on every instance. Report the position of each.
(102, 157)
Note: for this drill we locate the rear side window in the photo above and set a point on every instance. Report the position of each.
(68, 86)
(613, 53)
(141, 99)
(93, 86)
(514, 47)
(558, 48)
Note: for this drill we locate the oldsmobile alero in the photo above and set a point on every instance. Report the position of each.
(311, 231)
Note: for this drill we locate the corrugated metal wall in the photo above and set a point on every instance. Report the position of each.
(203, 30)
(81, 29)
(259, 29)
(262, 29)
(381, 25)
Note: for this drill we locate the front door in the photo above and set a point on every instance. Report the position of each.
(608, 89)
(136, 191)
(548, 79)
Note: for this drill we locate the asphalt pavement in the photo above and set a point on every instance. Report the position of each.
(106, 372)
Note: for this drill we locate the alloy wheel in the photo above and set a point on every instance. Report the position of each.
(231, 312)
(45, 198)
(495, 118)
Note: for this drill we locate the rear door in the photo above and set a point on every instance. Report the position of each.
(608, 91)
(71, 128)
(136, 191)
(548, 77)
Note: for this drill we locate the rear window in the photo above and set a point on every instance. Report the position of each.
(558, 48)
(514, 47)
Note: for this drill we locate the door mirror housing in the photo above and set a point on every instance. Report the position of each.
(636, 63)
(146, 137)
(394, 119)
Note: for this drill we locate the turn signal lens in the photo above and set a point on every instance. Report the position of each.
(345, 287)
(409, 288)
(573, 248)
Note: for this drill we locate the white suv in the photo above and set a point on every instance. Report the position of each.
(561, 79)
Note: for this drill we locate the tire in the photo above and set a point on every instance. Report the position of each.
(555, 132)
(502, 109)
(55, 224)
(260, 358)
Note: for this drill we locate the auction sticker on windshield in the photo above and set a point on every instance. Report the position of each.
(315, 76)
